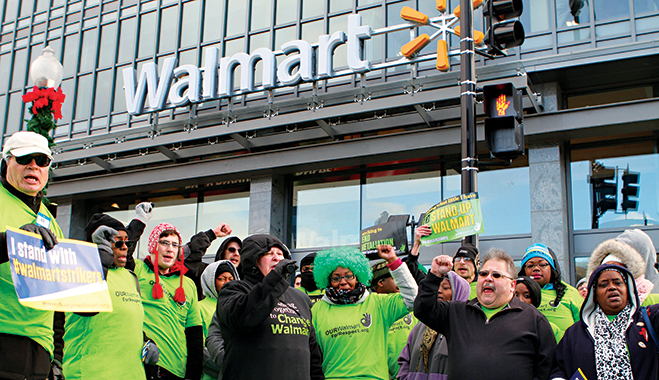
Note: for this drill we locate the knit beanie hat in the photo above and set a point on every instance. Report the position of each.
(538, 250)
(380, 272)
(469, 251)
(157, 292)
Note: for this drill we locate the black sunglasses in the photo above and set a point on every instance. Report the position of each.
(495, 275)
(40, 159)
(233, 249)
(119, 244)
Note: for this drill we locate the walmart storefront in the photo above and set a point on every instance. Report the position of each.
(331, 130)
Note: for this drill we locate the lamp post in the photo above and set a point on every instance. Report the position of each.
(46, 73)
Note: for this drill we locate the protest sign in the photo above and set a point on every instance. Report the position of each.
(453, 219)
(393, 233)
(69, 277)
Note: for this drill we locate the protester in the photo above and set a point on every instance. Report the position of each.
(582, 287)
(26, 334)
(383, 283)
(611, 341)
(425, 355)
(528, 291)
(631, 249)
(308, 285)
(412, 260)
(465, 264)
(265, 323)
(298, 281)
(560, 301)
(171, 310)
(351, 323)
(91, 338)
(495, 335)
(215, 276)
(195, 249)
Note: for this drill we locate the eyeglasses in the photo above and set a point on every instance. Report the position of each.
(495, 275)
(463, 259)
(542, 265)
(40, 159)
(233, 249)
(348, 277)
(119, 244)
(166, 244)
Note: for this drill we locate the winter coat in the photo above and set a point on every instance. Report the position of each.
(517, 335)
(577, 351)
(411, 361)
(263, 320)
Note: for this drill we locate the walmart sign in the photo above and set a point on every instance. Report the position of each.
(178, 86)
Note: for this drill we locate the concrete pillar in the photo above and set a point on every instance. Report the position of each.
(267, 206)
(72, 218)
(551, 96)
(550, 222)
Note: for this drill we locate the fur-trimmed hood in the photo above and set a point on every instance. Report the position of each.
(624, 252)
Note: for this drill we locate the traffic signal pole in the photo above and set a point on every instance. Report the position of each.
(468, 104)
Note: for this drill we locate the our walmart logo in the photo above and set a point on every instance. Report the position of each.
(446, 24)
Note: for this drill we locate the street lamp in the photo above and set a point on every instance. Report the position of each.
(46, 70)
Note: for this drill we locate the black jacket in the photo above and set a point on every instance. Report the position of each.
(516, 343)
(265, 323)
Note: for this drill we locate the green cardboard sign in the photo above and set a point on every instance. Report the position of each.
(453, 219)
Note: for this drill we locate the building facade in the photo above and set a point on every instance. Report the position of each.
(312, 126)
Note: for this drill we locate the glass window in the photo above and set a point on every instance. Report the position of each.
(597, 160)
(67, 106)
(88, 54)
(286, 11)
(396, 39)
(261, 14)
(213, 20)
(311, 31)
(42, 5)
(500, 192)
(340, 5)
(607, 10)
(11, 8)
(312, 8)
(84, 96)
(282, 36)
(103, 93)
(147, 41)
(536, 18)
(188, 57)
(15, 114)
(107, 45)
(119, 94)
(168, 26)
(367, 2)
(232, 209)
(70, 59)
(325, 214)
(26, 8)
(5, 63)
(236, 16)
(20, 69)
(340, 57)
(373, 47)
(571, 12)
(646, 6)
(127, 40)
(190, 24)
(3, 106)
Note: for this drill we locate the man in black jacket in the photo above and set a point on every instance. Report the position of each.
(266, 324)
(495, 336)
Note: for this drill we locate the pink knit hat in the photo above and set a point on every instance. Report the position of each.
(157, 292)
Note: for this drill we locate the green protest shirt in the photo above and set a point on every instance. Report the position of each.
(472, 294)
(651, 299)
(567, 311)
(558, 333)
(16, 319)
(165, 320)
(207, 307)
(91, 344)
(353, 338)
(490, 312)
(397, 339)
(314, 296)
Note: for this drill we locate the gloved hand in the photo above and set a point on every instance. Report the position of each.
(48, 237)
(102, 237)
(56, 371)
(150, 353)
(286, 267)
(144, 212)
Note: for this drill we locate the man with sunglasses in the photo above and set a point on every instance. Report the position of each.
(465, 264)
(493, 336)
(26, 334)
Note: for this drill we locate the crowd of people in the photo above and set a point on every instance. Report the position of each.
(241, 317)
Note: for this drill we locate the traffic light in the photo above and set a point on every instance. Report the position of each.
(604, 186)
(504, 131)
(630, 188)
(502, 32)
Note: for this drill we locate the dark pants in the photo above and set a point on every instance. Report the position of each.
(22, 358)
(153, 372)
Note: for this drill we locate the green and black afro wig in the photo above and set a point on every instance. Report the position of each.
(328, 260)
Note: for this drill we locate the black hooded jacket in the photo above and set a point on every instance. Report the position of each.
(263, 320)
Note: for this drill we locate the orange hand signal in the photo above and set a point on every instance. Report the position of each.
(502, 105)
